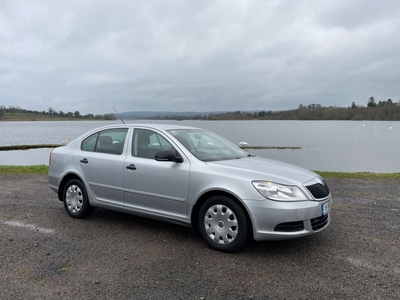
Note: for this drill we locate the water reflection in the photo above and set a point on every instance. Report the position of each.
(25, 157)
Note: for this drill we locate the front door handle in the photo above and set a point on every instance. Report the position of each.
(84, 161)
(131, 167)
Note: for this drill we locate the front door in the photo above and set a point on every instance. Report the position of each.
(159, 188)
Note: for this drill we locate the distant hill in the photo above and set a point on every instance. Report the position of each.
(134, 115)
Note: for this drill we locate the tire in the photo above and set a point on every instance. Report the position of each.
(76, 201)
(223, 224)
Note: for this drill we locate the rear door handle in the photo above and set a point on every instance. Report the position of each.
(131, 167)
(84, 161)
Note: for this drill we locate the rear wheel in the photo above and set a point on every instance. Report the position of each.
(75, 199)
(223, 224)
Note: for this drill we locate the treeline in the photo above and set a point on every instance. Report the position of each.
(51, 112)
(381, 111)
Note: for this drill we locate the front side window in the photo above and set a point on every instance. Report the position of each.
(109, 141)
(146, 143)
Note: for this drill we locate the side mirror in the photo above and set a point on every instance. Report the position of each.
(167, 155)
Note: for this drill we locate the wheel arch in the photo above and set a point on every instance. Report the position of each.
(64, 181)
(209, 194)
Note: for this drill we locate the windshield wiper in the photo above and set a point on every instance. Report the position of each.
(248, 155)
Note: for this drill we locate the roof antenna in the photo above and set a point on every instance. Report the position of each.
(118, 115)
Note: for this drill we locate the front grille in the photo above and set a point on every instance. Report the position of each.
(319, 222)
(290, 226)
(318, 190)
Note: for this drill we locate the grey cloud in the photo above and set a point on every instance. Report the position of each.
(357, 14)
(197, 55)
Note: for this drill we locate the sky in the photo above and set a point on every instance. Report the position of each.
(198, 55)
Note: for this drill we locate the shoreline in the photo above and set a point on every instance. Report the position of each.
(38, 146)
(27, 147)
(45, 119)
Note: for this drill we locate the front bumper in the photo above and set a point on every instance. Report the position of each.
(273, 220)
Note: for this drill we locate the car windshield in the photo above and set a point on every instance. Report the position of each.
(208, 146)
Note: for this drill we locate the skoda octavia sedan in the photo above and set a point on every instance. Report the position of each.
(189, 176)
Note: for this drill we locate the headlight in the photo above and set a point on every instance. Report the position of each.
(279, 192)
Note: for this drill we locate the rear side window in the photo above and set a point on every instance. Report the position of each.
(89, 144)
(109, 141)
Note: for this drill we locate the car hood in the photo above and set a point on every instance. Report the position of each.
(259, 168)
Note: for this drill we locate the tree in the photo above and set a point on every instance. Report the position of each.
(51, 111)
(381, 103)
(77, 114)
(109, 117)
(371, 102)
(89, 116)
(353, 105)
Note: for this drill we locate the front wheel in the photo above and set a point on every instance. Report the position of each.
(76, 201)
(223, 224)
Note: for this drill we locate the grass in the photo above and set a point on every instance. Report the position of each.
(63, 269)
(359, 175)
(43, 170)
(16, 170)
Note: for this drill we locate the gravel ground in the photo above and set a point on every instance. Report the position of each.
(45, 254)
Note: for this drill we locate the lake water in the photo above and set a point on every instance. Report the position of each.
(348, 146)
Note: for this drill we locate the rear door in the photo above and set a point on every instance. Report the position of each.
(101, 161)
(156, 187)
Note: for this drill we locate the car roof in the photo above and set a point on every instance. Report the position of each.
(148, 125)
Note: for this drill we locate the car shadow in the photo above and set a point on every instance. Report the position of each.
(174, 233)
(139, 223)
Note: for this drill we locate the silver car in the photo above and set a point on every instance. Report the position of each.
(189, 176)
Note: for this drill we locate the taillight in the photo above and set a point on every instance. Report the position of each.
(51, 152)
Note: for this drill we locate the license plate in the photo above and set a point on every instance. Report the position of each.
(326, 207)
